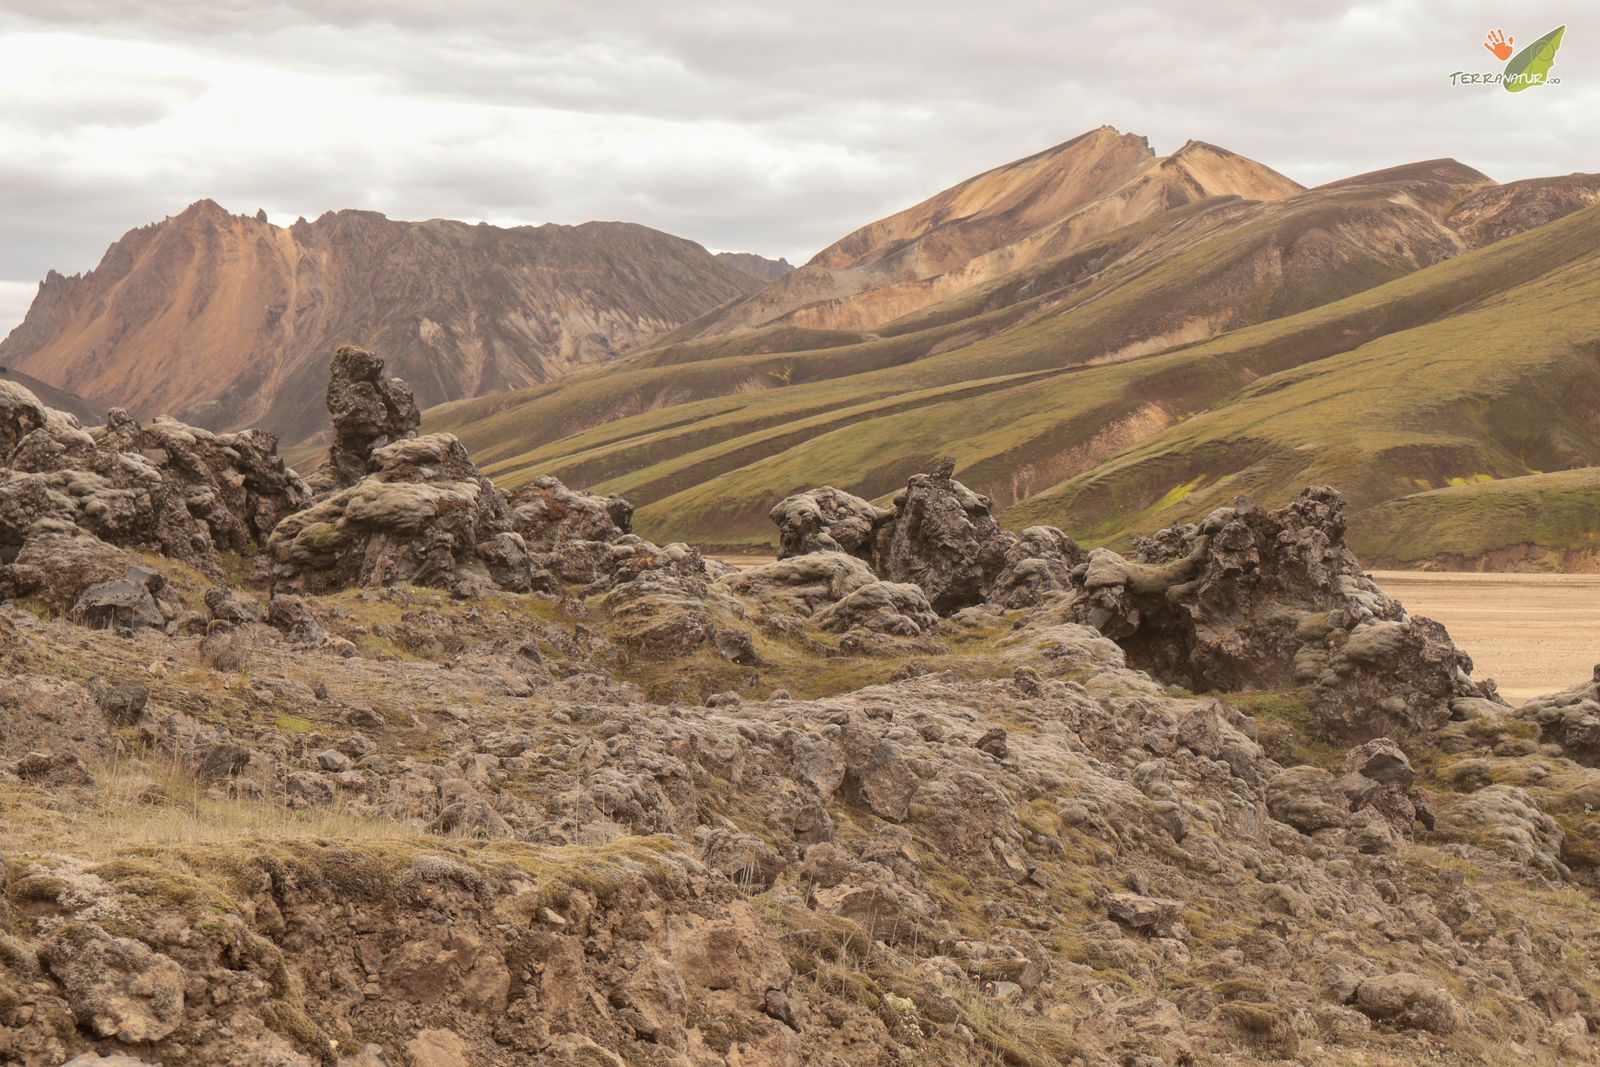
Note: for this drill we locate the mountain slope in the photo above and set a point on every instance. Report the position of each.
(758, 267)
(1047, 378)
(1505, 382)
(229, 320)
(1535, 522)
(59, 399)
(995, 223)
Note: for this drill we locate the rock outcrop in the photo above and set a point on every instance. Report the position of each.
(938, 535)
(419, 518)
(1252, 598)
(159, 487)
(569, 532)
(368, 410)
(1569, 719)
(532, 788)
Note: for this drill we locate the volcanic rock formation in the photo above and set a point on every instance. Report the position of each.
(938, 535)
(1252, 598)
(466, 777)
(369, 411)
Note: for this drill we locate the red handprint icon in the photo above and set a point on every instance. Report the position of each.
(1497, 42)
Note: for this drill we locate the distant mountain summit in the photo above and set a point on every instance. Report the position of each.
(228, 320)
(1000, 221)
(760, 267)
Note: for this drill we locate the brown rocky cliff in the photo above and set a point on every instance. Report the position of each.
(759, 267)
(228, 320)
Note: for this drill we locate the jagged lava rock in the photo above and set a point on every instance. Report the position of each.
(938, 535)
(1252, 598)
(368, 410)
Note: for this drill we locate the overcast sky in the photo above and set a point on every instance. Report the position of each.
(770, 127)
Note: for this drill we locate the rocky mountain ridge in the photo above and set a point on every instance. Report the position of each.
(226, 320)
(993, 224)
(390, 767)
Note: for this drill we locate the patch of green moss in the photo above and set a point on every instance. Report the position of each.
(1286, 728)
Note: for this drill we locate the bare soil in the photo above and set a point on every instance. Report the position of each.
(1531, 633)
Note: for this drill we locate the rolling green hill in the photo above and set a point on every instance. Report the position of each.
(1536, 522)
(1346, 334)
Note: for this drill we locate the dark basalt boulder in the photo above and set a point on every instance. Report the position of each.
(126, 603)
(944, 538)
(1252, 598)
(368, 410)
(938, 535)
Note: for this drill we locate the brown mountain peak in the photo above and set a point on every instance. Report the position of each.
(230, 321)
(1001, 220)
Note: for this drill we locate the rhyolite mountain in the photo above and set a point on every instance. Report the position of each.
(757, 266)
(1111, 341)
(228, 320)
(993, 224)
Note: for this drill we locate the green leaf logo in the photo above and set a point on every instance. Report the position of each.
(1531, 66)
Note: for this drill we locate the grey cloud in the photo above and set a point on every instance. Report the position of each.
(772, 128)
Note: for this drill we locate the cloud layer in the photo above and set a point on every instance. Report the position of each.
(762, 127)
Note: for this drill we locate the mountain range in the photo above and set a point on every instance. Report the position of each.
(1104, 338)
(229, 321)
(1111, 341)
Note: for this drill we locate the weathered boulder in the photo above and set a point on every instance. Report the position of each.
(234, 484)
(1152, 916)
(58, 562)
(547, 514)
(938, 535)
(877, 775)
(666, 600)
(1505, 819)
(827, 520)
(117, 987)
(1307, 798)
(801, 585)
(369, 411)
(1257, 599)
(20, 414)
(944, 538)
(1038, 564)
(419, 519)
(1570, 718)
(1411, 1002)
(1376, 779)
(126, 603)
(897, 608)
(164, 487)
